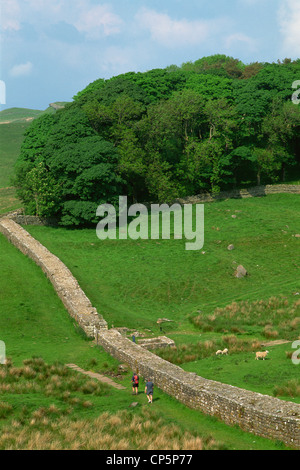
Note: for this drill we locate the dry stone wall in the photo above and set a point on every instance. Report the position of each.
(256, 413)
(256, 191)
(259, 414)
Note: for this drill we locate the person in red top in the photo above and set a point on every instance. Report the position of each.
(135, 384)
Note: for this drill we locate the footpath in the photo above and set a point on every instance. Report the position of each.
(97, 376)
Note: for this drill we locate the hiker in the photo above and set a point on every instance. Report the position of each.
(135, 384)
(149, 390)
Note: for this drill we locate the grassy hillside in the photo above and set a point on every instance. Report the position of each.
(45, 406)
(13, 125)
(134, 283)
(11, 138)
(18, 115)
(26, 115)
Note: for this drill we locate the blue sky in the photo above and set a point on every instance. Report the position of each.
(51, 49)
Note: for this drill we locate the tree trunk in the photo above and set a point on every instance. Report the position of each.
(258, 178)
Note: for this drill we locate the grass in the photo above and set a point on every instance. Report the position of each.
(73, 411)
(49, 407)
(18, 115)
(133, 283)
(34, 324)
(8, 200)
(136, 282)
(11, 138)
(276, 317)
(269, 377)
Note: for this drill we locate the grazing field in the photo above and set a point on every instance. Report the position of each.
(134, 283)
(9, 200)
(11, 138)
(40, 399)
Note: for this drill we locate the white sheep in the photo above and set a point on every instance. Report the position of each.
(224, 352)
(261, 355)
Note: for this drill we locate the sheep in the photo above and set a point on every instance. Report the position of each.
(261, 355)
(224, 352)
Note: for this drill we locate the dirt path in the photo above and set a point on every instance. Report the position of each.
(96, 376)
(275, 343)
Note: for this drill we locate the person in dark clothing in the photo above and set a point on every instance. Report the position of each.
(149, 390)
(135, 384)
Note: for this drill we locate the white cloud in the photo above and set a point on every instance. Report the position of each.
(173, 33)
(289, 21)
(234, 39)
(21, 70)
(10, 15)
(97, 20)
(89, 19)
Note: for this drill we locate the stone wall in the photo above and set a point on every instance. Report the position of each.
(253, 412)
(259, 414)
(256, 191)
(66, 286)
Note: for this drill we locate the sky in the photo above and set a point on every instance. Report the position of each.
(51, 49)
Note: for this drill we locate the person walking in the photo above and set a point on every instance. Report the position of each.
(149, 390)
(135, 384)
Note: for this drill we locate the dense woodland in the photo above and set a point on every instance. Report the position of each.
(208, 125)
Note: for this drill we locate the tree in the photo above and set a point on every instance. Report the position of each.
(266, 163)
(279, 128)
(40, 192)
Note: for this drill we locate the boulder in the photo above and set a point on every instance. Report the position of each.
(240, 272)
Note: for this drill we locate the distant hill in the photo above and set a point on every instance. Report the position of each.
(7, 116)
(13, 124)
(11, 115)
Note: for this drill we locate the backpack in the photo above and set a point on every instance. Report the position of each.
(136, 379)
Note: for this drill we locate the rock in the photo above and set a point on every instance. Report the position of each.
(134, 404)
(297, 235)
(240, 272)
(230, 247)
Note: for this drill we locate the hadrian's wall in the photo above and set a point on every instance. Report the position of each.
(259, 414)
(255, 191)
(262, 415)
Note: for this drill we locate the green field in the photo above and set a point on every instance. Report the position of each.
(34, 323)
(13, 125)
(11, 137)
(134, 283)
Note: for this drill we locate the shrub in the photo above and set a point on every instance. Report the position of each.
(5, 409)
